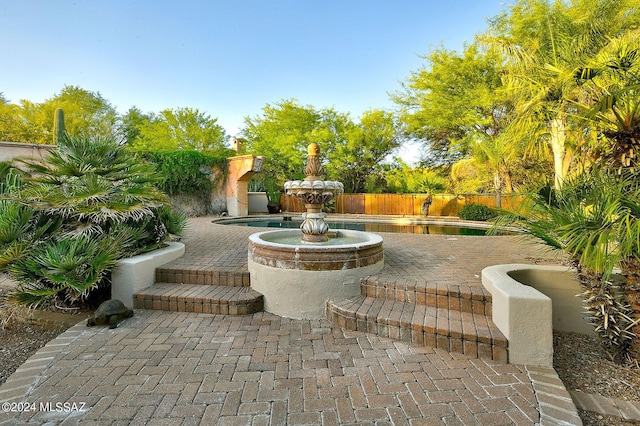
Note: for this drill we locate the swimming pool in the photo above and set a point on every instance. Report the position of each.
(406, 226)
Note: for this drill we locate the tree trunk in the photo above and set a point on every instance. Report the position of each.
(631, 272)
(607, 310)
(557, 141)
(497, 183)
(508, 183)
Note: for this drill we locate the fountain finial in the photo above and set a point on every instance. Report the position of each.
(314, 192)
(313, 149)
(314, 167)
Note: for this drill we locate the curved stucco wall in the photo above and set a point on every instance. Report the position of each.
(301, 294)
(523, 315)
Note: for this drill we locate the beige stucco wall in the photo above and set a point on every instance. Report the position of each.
(11, 150)
(523, 314)
(241, 168)
(133, 274)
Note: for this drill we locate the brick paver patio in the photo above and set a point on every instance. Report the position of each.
(186, 368)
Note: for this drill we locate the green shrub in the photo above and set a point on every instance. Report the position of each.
(594, 219)
(475, 211)
(65, 223)
(185, 172)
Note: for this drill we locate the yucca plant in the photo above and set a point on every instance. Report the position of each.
(594, 219)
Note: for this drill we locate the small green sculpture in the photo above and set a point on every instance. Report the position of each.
(111, 312)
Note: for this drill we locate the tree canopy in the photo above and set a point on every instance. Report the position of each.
(523, 89)
(549, 48)
(366, 146)
(352, 151)
(548, 90)
(283, 131)
(86, 113)
(453, 101)
(175, 129)
(456, 103)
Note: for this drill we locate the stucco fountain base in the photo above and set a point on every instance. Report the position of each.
(296, 279)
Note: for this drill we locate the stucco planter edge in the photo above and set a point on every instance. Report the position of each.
(136, 273)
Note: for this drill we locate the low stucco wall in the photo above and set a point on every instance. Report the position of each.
(11, 150)
(258, 202)
(561, 285)
(522, 313)
(135, 273)
(529, 302)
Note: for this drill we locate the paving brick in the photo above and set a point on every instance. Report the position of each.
(269, 370)
(494, 419)
(310, 418)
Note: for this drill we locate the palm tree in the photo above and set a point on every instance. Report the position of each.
(93, 184)
(595, 220)
(613, 102)
(549, 48)
(498, 153)
(615, 109)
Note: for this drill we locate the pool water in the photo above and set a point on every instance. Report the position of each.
(373, 227)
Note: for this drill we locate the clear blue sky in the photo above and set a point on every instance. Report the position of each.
(228, 58)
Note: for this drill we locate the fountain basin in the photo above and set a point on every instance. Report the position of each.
(297, 279)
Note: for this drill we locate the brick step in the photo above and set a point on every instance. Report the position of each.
(463, 298)
(203, 277)
(468, 333)
(207, 299)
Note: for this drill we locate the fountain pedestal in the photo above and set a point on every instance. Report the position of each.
(297, 280)
(297, 272)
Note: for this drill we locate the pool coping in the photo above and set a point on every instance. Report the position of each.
(401, 220)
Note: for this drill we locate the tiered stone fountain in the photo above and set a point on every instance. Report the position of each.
(299, 271)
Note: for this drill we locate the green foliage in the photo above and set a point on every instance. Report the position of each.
(614, 100)
(400, 178)
(63, 269)
(178, 129)
(186, 172)
(273, 191)
(173, 220)
(549, 48)
(71, 217)
(255, 185)
(354, 151)
(454, 101)
(468, 176)
(365, 147)
(283, 131)
(131, 123)
(473, 211)
(595, 219)
(86, 113)
(6, 167)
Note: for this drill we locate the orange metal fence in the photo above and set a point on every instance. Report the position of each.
(407, 204)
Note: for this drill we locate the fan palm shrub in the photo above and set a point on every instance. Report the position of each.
(71, 217)
(613, 100)
(595, 219)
